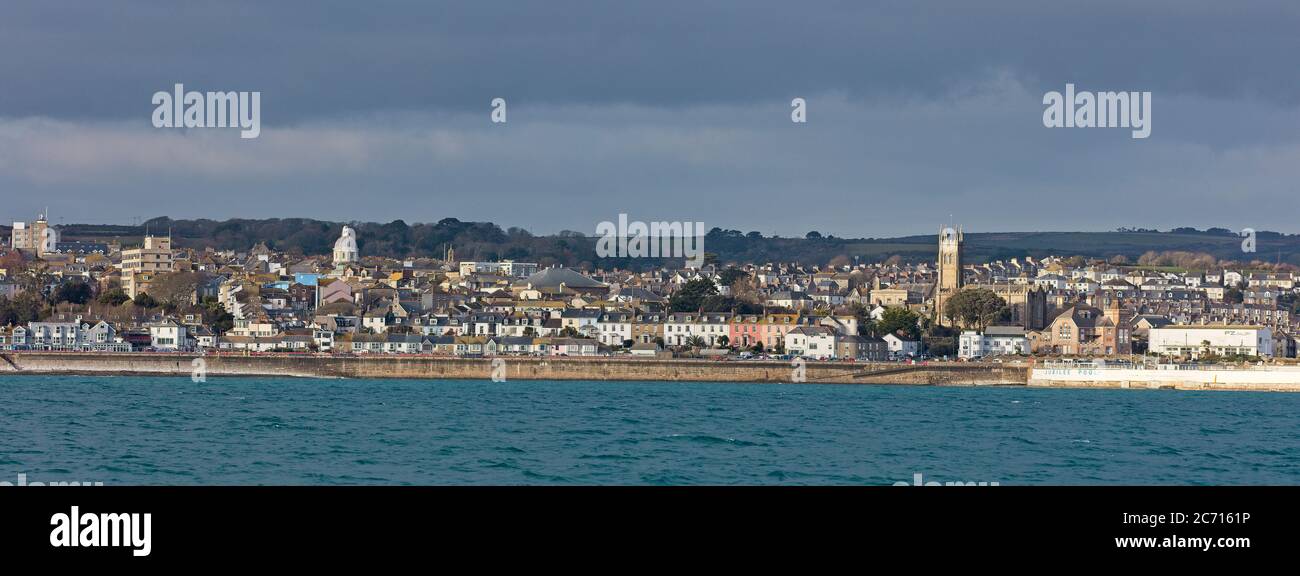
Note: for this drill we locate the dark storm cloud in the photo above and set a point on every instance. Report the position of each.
(665, 110)
(331, 58)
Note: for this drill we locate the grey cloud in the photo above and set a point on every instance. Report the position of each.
(676, 110)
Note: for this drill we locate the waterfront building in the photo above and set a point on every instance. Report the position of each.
(745, 330)
(1218, 340)
(681, 327)
(614, 328)
(13, 338)
(861, 348)
(994, 340)
(1084, 330)
(55, 335)
(168, 336)
(902, 346)
(648, 327)
(812, 341)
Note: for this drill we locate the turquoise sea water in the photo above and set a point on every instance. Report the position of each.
(132, 430)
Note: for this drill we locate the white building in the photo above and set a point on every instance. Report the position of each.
(345, 248)
(812, 341)
(168, 336)
(56, 335)
(995, 340)
(900, 347)
(614, 328)
(680, 327)
(504, 268)
(324, 340)
(1219, 340)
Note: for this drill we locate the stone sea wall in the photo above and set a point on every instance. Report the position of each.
(523, 368)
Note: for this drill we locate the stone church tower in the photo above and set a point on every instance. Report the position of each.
(949, 281)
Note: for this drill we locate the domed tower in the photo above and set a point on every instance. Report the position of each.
(345, 248)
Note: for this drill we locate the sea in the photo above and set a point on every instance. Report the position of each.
(128, 430)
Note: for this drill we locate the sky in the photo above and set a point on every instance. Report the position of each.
(918, 113)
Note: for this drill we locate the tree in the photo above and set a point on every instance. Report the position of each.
(145, 301)
(723, 341)
(813, 235)
(216, 315)
(690, 297)
(720, 303)
(729, 276)
(898, 318)
(975, 307)
(74, 292)
(23, 308)
(696, 342)
(569, 332)
(175, 289)
(115, 297)
(13, 262)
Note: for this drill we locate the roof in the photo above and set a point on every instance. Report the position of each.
(553, 277)
(1004, 331)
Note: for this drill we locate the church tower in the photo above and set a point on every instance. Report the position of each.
(949, 281)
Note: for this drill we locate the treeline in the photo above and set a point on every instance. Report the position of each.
(487, 241)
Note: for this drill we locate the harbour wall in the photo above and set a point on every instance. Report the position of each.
(521, 368)
(1263, 378)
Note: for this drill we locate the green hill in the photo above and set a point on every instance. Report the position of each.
(487, 241)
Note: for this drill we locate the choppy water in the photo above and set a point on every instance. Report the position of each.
(130, 430)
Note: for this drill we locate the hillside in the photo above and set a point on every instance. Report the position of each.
(486, 241)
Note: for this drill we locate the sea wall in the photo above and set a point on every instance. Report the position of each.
(1269, 379)
(523, 368)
